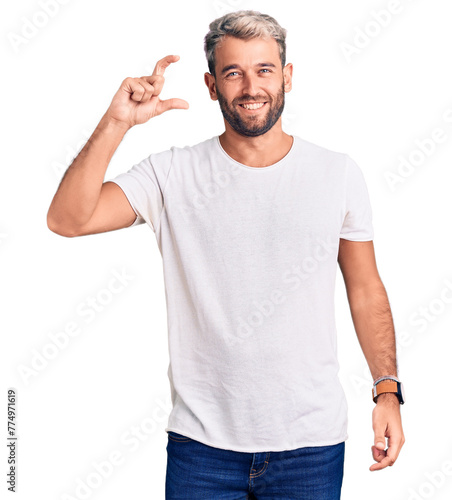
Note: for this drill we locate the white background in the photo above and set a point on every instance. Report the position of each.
(112, 377)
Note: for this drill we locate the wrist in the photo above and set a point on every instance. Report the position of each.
(388, 397)
(110, 123)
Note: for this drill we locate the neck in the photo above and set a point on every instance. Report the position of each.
(261, 151)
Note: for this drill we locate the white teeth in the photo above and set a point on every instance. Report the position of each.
(253, 106)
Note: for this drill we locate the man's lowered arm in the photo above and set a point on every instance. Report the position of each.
(372, 319)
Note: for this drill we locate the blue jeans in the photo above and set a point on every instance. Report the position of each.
(197, 471)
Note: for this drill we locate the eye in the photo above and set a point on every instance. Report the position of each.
(265, 69)
(231, 73)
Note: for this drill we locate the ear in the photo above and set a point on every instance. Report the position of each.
(287, 74)
(210, 82)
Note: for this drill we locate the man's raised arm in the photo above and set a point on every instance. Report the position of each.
(84, 203)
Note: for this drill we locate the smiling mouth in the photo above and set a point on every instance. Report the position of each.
(254, 105)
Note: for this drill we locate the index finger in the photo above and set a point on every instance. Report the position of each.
(384, 463)
(391, 456)
(164, 63)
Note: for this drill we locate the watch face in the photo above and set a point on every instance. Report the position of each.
(402, 390)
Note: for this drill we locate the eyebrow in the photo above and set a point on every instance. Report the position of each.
(236, 66)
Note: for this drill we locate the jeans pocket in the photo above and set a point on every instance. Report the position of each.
(174, 436)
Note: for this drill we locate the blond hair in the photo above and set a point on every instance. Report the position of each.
(244, 24)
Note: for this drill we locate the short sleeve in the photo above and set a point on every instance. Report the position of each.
(144, 185)
(357, 224)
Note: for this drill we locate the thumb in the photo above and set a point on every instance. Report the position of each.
(173, 103)
(380, 441)
(379, 445)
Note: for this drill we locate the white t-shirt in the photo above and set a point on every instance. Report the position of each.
(249, 261)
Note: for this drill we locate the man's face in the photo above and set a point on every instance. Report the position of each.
(249, 84)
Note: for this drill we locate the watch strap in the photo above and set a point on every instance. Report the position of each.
(387, 384)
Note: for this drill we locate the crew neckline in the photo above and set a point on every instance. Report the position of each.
(269, 167)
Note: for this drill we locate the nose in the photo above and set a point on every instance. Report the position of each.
(250, 85)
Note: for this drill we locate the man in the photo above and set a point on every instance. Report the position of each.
(251, 225)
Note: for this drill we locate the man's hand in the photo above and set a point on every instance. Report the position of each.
(386, 423)
(137, 99)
